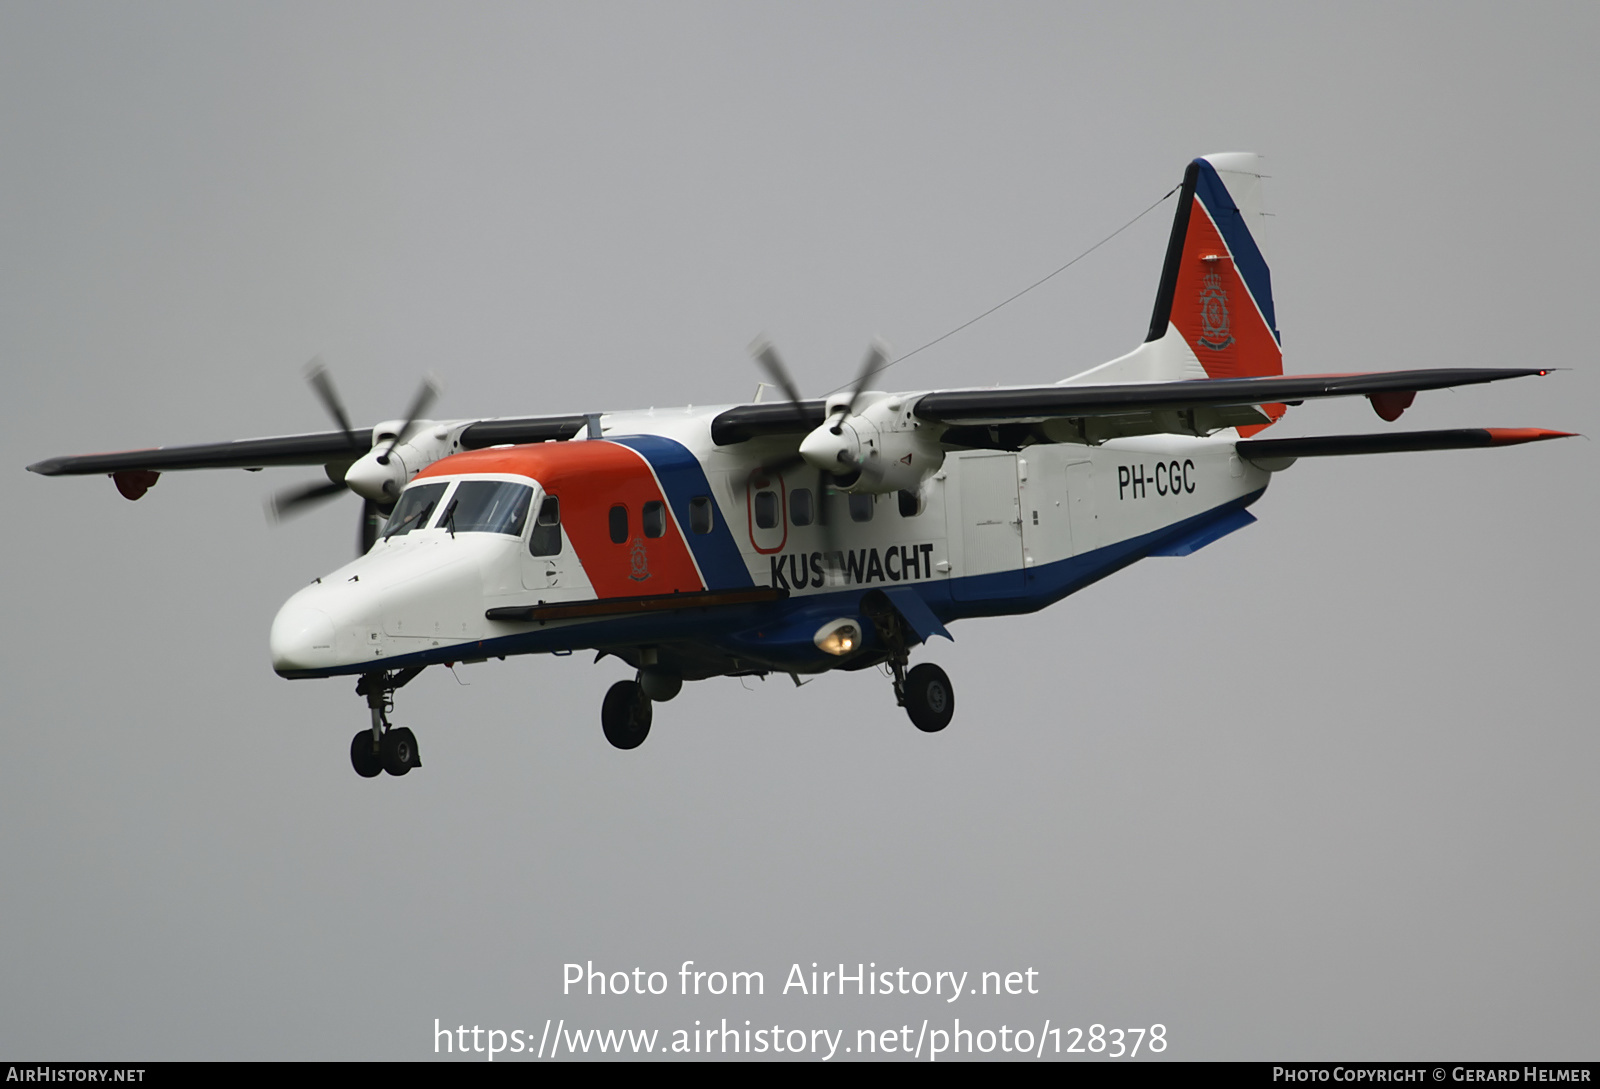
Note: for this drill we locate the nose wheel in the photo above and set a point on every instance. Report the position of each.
(383, 748)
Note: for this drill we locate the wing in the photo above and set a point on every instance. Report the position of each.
(1013, 417)
(1016, 417)
(318, 448)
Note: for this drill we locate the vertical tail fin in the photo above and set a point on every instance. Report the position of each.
(1213, 316)
(1216, 289)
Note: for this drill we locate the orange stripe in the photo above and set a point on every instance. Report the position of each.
(590, 478)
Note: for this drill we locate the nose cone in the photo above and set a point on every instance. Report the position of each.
(831, 453)
(371, 480)
(302, 637)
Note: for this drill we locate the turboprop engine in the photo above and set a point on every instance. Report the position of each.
(382, 472)
(869, 441)
(876, 436)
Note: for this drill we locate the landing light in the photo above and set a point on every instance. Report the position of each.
(838, 637)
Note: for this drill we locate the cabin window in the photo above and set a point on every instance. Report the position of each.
(801, 510)
(700, 514)
(619, 524)
(766, 509)
(545, 540)
(910, 504)
(654, 519)
(861, 507)
(414, 509)
(488, 506)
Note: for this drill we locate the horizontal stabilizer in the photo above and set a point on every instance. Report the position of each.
(1325, 446)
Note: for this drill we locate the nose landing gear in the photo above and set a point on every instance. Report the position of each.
(384, 747)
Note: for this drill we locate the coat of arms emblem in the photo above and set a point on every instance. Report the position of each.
(640, 560)
(1214, 314)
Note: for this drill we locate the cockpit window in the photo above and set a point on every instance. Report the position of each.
(488, 506)
(545, 540)
(414, 509)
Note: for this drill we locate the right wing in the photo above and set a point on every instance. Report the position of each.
(319, 448)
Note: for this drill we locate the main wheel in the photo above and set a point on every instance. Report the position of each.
(400, 751)
(930, 701)
(363, 758)
(625, 715)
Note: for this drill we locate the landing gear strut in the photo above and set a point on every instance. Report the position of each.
(384, 747)
(925, 690)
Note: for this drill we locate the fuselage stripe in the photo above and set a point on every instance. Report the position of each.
(682, 478)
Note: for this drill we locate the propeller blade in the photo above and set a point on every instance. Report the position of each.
(767, 356)
(419, 404)
(322, 386)
(877, 356)
(293, 500)
(830, 536)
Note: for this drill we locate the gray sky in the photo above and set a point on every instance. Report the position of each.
(1354, 814)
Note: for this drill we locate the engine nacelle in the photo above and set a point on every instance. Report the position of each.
(892, 449)
(381, 473)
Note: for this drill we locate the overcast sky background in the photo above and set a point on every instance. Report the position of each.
(1323, 790)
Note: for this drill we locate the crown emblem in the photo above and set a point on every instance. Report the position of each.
(640, 561)
(1214, 314)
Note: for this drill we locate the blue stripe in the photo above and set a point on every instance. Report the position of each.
(1247, 259)
(682, 479)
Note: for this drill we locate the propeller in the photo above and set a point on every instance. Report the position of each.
(877, 356)
(291, 501)
(767, 358)
(419, 404)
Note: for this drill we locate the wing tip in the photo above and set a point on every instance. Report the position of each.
(1511, 436)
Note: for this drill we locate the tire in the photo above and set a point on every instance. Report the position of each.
(930, 701)
(367, 763)
(400, 751)
(625, 715)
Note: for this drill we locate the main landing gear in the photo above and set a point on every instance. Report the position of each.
(384, 747)
(625, 715)
(924, 691)
(927, 697)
